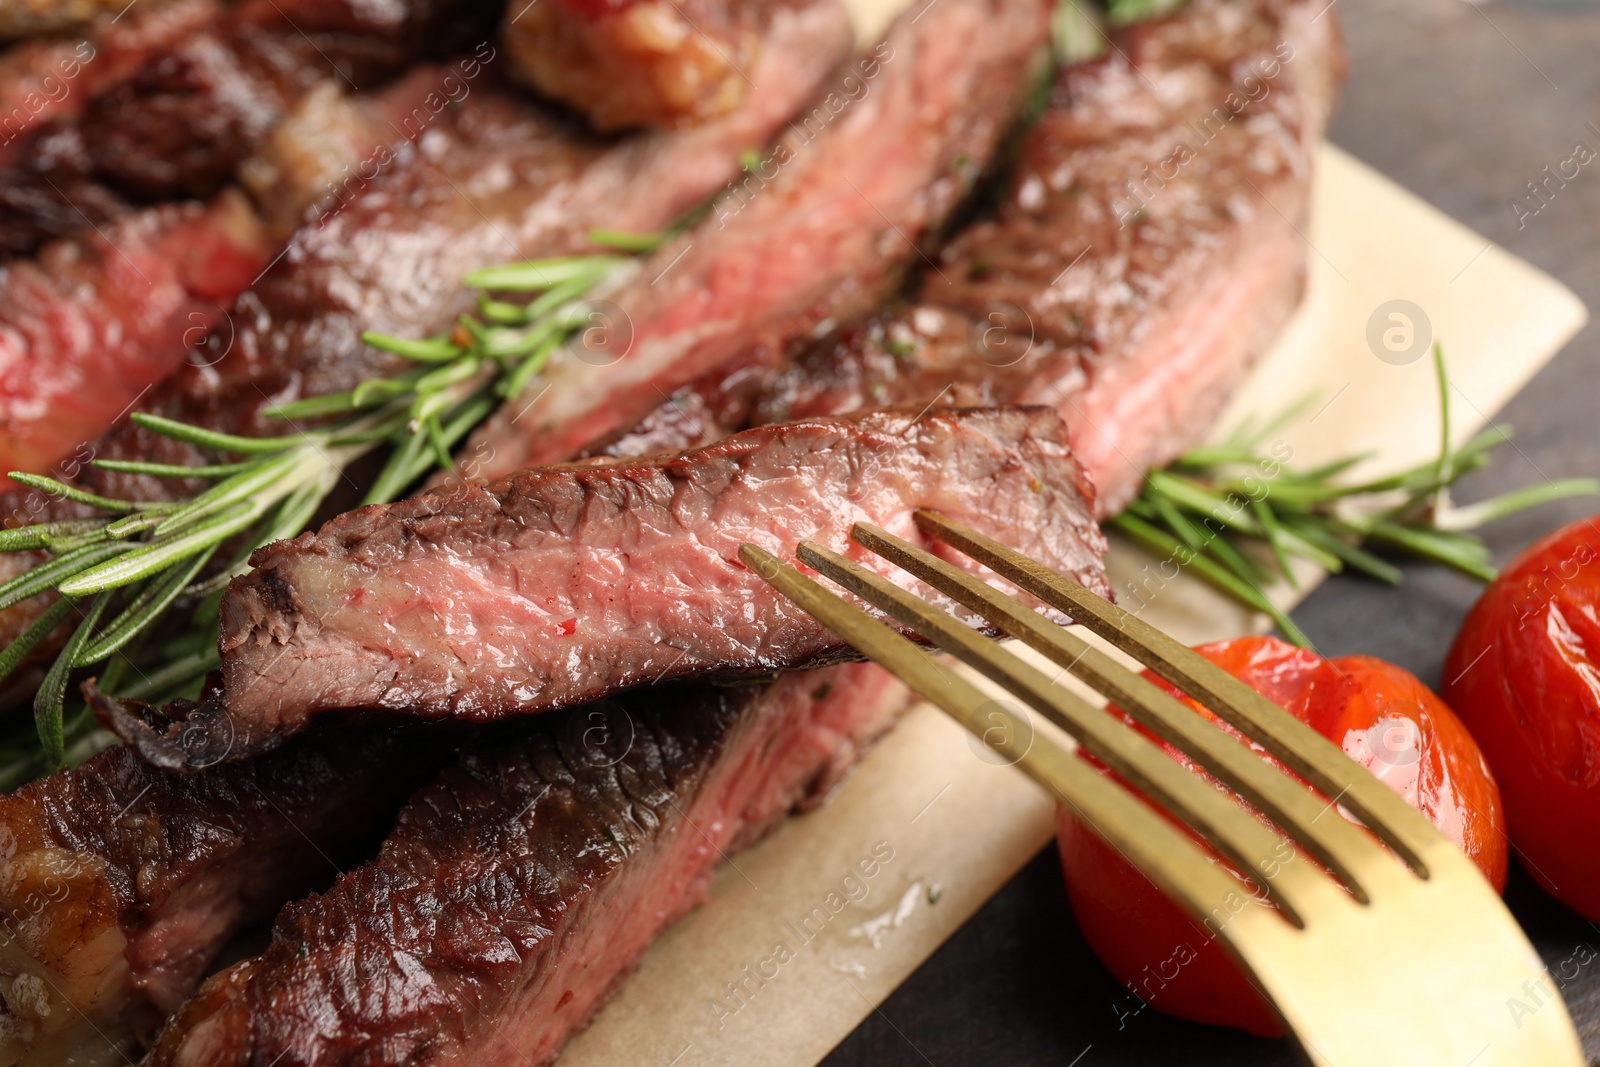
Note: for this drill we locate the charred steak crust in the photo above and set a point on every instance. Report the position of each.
(1146, 251)
(119, 883)
(494, 169)
(637, 62)
(519, 889)
(818, 231)
(557, 586)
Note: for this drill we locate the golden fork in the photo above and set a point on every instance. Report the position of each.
(1400, 955)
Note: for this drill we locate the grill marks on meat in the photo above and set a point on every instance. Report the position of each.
(95, 322)
(119, 884)
(557, 586)
(1146, 251)
(637, 62)
(520, 888)
(818, 231)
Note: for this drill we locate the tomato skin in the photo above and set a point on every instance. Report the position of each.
(1382, 717)
(1524, 674)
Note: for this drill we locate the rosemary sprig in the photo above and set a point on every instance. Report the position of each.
(136, 560)
(1209, 508)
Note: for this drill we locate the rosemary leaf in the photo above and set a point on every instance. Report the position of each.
(1156, 541)
(1197, 498)
(1355, 557)
(62, 491)
(145, 608)
(429, 350)
(628, 242)
(216, 442)
(448, 375)
(501, 313)
(1437, 546)
(140, 563)
(1275, 539)
(169, 470)
(49, 703)
(514, 383)
(314, 407)
(441, 451)
(541, 274)
(248, 484)
(397, 472)
(557, 296)
(46, 575)
(1474, 515)
(18, 651)
(31, 538)
(460, 423)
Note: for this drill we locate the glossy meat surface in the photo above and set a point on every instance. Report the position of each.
(47, 185)
(558, 586)
(37, 18)
(816, 232)
(119, 883)
(182, 123)
(519, 889)
(637, 62)
(175, 116)
(494, 179)
(1146, 250)
(95, 322)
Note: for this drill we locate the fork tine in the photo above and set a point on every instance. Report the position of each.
(1307, 752)
(1267, 858)
(1337, 843)
(1150, 842)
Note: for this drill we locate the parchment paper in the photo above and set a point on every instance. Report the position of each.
(744, 982)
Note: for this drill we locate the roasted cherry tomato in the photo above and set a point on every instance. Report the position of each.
(1524, 675)
(1382, 717)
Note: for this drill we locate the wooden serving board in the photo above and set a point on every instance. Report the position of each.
(740, 982)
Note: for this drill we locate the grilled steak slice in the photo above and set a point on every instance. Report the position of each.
(637, 62)
(119, 884)
(1148, 250)
(47, 189)
(520, 888)
(175, 117)
(557, 586)
(91, 325)
(184, 122)
(1145, 253)
(38, 18)
(490, 180)
(816, 232)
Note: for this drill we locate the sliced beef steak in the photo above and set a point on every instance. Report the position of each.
(816, 232)
(95, 322)
(557, 586)
(39, 18)
(491, 180)
(637, 62)
(181, 125)
(47, 189)
(1148, 248)
(174, 115)
(520, 888)
(119, 884)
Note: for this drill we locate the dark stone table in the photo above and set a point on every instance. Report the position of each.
(1463, 105)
